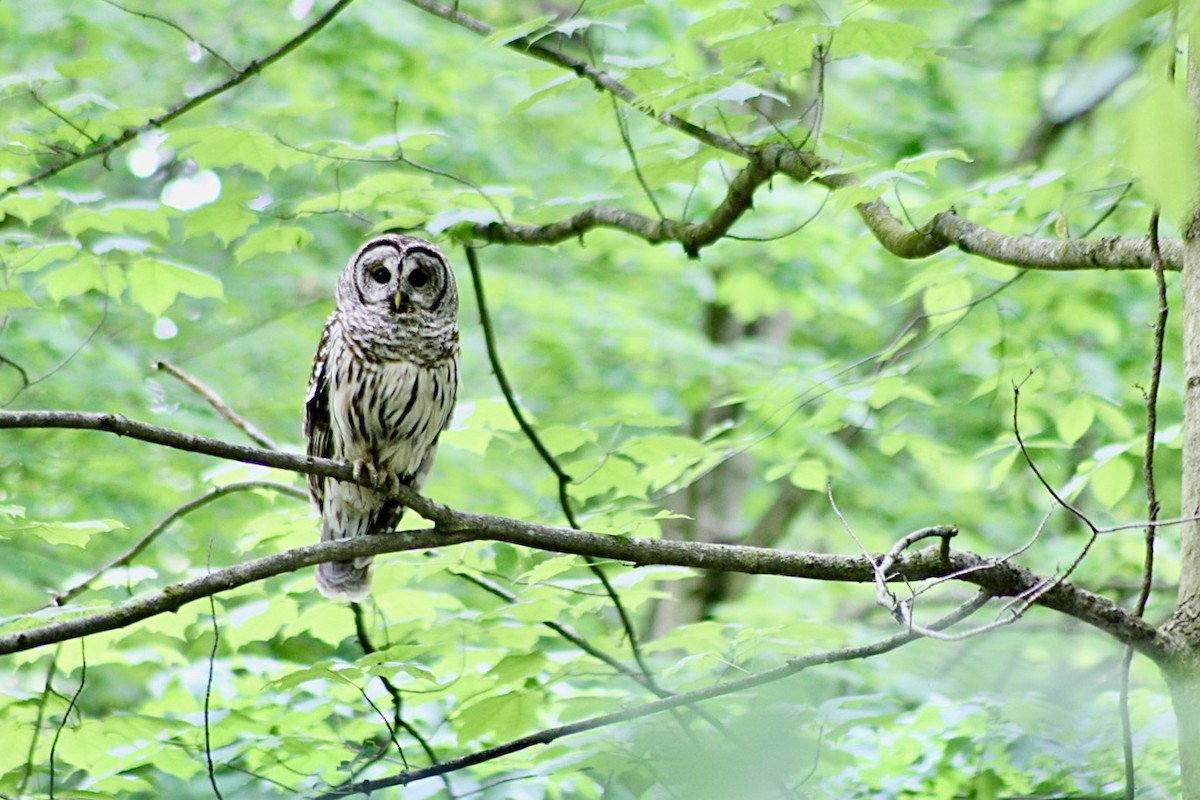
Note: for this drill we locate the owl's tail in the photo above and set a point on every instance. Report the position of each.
(345, 580)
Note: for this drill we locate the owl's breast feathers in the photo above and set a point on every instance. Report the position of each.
(389, 411)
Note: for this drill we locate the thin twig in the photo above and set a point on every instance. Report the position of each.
(47, 690)
(58, 115)
(1038, 473)
(789, 668)
(220, 406)
(129, 134)
(176, 27)
(70, 707)
(19, 370)
(62, 362)
(564, 631)
(65, 596)
(364, 641)
(398, 721)
(623, 127)
(208, 685)
(1152, 504)
(551, 462)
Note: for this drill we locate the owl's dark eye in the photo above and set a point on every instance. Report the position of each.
(381, 275)
(418, 278)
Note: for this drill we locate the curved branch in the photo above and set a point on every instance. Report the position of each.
(144, 541)
(451, 527)
(945, 230)
(107, 146)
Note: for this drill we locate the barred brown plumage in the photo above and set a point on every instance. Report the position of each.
(383, 385)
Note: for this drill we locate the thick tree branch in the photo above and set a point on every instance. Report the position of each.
(103, 148)
(451, 527)
(946, 229)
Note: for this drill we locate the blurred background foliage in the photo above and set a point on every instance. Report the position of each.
(793, 353)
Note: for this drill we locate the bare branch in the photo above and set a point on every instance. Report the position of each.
(131, 552)
(220, 406)
(564, 499)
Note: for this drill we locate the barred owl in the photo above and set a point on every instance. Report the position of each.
(382, 388)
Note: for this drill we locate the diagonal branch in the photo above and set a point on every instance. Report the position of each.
(63, 597)
(597, 77)
(791, 667)
(247, 72)
(453, 527)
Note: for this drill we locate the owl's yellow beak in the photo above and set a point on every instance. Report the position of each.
(399, 301)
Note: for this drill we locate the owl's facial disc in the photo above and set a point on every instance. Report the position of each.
(401, 276)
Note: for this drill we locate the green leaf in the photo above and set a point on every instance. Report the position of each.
(749, 294)
(881, 39)
(84, 274)
(513, 32)
(272, 239)
(518, 666)
(1074, 420)
(499, 717)
(84, 67)
(227, 218)
(230, 146)
(1001, 468)
(810, 474)
(1111, 481)
(947, 301)
(736, 92)
(29, 205)
(134, 217)
(155, 284)
(75, 534)
(14, 298)
(1161, 136)
(927, 162)
(548, 569)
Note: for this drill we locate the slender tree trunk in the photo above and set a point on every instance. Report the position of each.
(1182, 670)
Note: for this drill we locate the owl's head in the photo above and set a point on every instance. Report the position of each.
(401, 276)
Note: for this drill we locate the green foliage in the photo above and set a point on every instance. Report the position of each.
(214, 243)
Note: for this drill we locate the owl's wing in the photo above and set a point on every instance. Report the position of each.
(317, 424)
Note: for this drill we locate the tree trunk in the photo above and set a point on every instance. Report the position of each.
(1183, 669)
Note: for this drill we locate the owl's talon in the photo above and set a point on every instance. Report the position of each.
(387, 482)
(364, 472)
(381, 479)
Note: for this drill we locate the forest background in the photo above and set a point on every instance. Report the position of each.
(750, 291)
